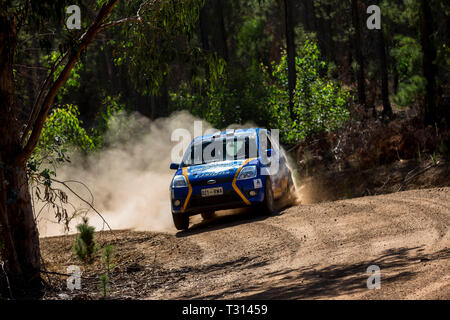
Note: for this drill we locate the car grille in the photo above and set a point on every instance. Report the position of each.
(228, 197)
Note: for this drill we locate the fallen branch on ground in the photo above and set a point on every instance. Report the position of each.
(407, 179)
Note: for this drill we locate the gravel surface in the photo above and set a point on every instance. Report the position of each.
(317, 251)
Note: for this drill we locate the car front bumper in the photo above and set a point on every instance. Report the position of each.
(235, 195)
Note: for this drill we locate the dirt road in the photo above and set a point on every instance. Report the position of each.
(318, 251)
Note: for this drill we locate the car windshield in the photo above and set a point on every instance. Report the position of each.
(220, 149)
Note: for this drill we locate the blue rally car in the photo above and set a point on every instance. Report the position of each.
(230, 169)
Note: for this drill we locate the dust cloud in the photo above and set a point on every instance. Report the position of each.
(128, 181)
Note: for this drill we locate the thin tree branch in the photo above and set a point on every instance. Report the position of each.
(121, 21)
(2, 264)
(137, 18)
(29, 67)
(40, 110)
(35, 110)
(34, 36)
(90, 205)
(73, 58)
(409, 178)
(62, 274)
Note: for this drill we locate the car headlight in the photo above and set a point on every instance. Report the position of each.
(247, 173)
(179, 182)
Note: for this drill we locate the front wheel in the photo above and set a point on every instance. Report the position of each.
(181, 221)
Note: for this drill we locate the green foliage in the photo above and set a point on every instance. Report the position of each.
(259, 95)
(408, 55)
(168, 54)
(62, 130)
(237, 97)
(320, 104)
(107, 257)
(72, 82)
(409, 91)
(39, 13)
(63, 125)
(148, 49)
(251, 40)
(111, 108)
(85, 246)
(104, 285)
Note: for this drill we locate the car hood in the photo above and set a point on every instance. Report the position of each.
(214, 170)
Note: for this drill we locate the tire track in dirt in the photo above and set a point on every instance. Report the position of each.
(236, 251)
(441, 221)
(343, 238)
(315, 251)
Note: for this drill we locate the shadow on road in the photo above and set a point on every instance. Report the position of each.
(334, 280)
(222, 221)
(228, 218)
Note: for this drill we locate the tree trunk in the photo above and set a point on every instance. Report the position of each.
(311, 13)
(329, 33)
(290, 44)
(204, 34)
(387, 109)
(429, 69)
(19, 246)
(203, 29)
(322, 34)
(358, 52)
(222, 31)
(111, 77)
(20, 235)
(395, 76)
(349, 77)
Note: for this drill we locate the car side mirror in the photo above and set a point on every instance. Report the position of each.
(269, 152)
(174, 166)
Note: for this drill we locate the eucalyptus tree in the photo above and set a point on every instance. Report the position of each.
(22, 121)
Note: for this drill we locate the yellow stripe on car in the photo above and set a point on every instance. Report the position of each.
(185, 174)
(235, 187)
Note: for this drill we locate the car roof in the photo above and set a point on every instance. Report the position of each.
(229, 132)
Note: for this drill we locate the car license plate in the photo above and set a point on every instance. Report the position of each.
(209, 192)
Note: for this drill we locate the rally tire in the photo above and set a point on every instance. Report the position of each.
(181, 221)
